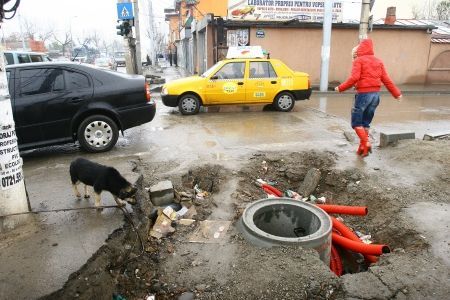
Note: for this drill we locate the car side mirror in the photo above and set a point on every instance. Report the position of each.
(215, 77)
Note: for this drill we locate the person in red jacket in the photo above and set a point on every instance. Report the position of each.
(368, 73)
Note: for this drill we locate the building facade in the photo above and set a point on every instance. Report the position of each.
(413, 51)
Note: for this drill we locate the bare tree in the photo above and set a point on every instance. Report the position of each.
(432, 10)
(443, 10)
(29, 28)
(65, 41)
(45, 33)
(84, 40)
(96, 39)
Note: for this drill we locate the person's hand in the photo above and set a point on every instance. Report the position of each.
(399, 98)
(336, 89)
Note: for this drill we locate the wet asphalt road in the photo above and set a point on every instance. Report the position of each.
(55, 245)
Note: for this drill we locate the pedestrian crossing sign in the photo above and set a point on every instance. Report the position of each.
(125, 11)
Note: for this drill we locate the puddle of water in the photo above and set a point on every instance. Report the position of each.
(210, 144)
(224, 199)
(411, 108)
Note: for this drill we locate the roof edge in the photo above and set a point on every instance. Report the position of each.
(296, 24)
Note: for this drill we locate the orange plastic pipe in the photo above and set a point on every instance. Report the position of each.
(348, 233)
(336, 262)
(269, 191)
(369, 249)
(274, 190)
(342, 209)
(333, 264)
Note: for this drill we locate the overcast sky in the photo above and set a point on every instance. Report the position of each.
(84, 16)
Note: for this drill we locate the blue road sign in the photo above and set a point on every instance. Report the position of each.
(125, 11)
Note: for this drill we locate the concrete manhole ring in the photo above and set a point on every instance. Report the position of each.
(284, 221)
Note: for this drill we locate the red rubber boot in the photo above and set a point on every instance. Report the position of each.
(363, 150)
(369, 146)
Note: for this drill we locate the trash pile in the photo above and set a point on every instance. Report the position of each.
(350, 246)
(173, 207)
(187, 205)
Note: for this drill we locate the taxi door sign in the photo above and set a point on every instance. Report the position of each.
(230, 87)
(125, 11)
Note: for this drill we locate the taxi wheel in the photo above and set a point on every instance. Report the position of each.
(189, 104)
(284, 102)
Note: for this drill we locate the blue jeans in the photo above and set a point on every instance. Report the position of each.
(364, 109)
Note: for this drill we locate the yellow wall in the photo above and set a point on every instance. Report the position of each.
(174, 34)
(216, 7)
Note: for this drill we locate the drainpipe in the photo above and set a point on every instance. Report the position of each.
(215, 41)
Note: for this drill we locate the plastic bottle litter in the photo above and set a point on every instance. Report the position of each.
(265, 168)
(321, 200)
(293, 195)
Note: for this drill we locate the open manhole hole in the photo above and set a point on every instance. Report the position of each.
(284, 221)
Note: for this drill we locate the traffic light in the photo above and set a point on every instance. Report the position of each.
(119, 29)
(124, 28)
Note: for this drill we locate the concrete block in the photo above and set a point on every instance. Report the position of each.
(310, 182)
(436, 135)
(162, 193)
(389, 138)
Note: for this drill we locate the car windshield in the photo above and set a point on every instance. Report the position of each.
(210, 70)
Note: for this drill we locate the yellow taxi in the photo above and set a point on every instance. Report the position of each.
(243, 78)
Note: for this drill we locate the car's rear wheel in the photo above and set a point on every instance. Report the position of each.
(97, 133)
(284, 102)
(189, 104)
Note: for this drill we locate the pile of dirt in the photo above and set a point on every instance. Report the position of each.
(233, 268)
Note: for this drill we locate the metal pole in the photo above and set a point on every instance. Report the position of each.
(137, 57)
(152, 46)
(21, 32)
(364, 21)
(325, 63)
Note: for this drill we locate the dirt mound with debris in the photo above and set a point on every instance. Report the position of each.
(195, 263)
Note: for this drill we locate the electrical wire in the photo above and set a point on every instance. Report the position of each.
(12, 10)
(138, 237)
(58, 210)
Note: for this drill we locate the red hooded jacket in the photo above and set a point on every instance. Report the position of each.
(368, 72)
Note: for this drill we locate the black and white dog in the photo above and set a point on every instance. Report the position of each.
(101, 178)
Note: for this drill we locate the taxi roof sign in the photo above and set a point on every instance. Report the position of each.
(245, 52)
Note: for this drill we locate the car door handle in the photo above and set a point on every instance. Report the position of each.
(240, 83)
(273, 82)
(76, 100)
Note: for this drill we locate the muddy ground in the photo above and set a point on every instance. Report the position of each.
(234, 269)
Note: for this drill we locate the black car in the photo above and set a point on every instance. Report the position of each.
(56, 103)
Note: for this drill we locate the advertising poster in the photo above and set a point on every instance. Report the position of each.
(238, 37)
(281, 10)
